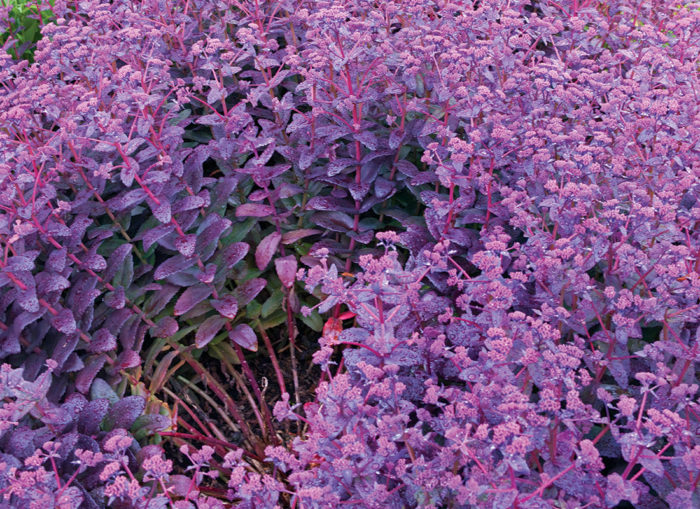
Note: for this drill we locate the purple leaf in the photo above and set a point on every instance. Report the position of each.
(166, 327)
(160, 299)
(28, 300)
(190, 203)
(57, 260)
(213, 232)
(294, 235)
(186, 244)
(153, 235)
(172, 266)
(84, 379)
(235, 253)
(95, 262)
(395, 138)
(243, 335)
(209, 329)
(266, 249)
(116, 299)
(286, 270)
(207, 275)
(47, 282)
(102, 341)
(162, 211)
(254, 210)
(64, 321)
(227, 306)
(128, 359)
(115, 261)
(334, 221)
(127, 174)
(368, 139)
(124, 412)
(128, 200)
(91, 417)
(248, 290)
(191, 297)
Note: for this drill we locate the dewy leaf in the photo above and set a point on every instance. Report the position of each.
(102, 341)
(162, 212)
(227, 306)
(286, 270)
(294, 235)
(153, 235)
(115, 299)
(124, 412)
(172, 266)
(334, 221)
(244, 336)
(209, 329)
(186, 244)
(249, 290)
(115, 260)
(191, 297)
(266, 249)
(166, 327)
(254, 210)
(64, 321)
(235, 253)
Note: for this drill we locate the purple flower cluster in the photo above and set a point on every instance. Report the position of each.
(492, 205)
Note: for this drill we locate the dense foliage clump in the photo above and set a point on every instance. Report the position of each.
(292, 253)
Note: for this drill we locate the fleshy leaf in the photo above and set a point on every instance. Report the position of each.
(191, 297)
(64, 321)
(286, 270)
(186, 244)
(244, 336)
(124, 412)
(227, 306)
(266, 249)
(249, 290)
(172, 266)
(254, 210)
(209, 329)
(235, 253)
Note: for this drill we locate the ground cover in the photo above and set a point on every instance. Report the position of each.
(349, 254)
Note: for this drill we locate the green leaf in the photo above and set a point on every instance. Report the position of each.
(313, 321)
(273, 303)
(253, 309)
(275, 319)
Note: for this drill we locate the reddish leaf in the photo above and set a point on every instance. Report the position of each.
(116, 299)
(166, 327)
(191, 297)
(249, 290)
(64, 321)
(227, 306)
(186, 244)
(244, 336)
(235, 253)
(153, 235)
(128, 359)
(208, 330)
(254, 210)
(286, 270)
(266, 249)
(84, 379)
(162, 212)
(294, 235)
(172, 266)
(124, 412)
(102, 341)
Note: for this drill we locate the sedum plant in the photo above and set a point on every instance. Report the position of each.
(281, 253)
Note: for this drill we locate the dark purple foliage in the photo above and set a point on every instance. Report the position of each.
(494, 205)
